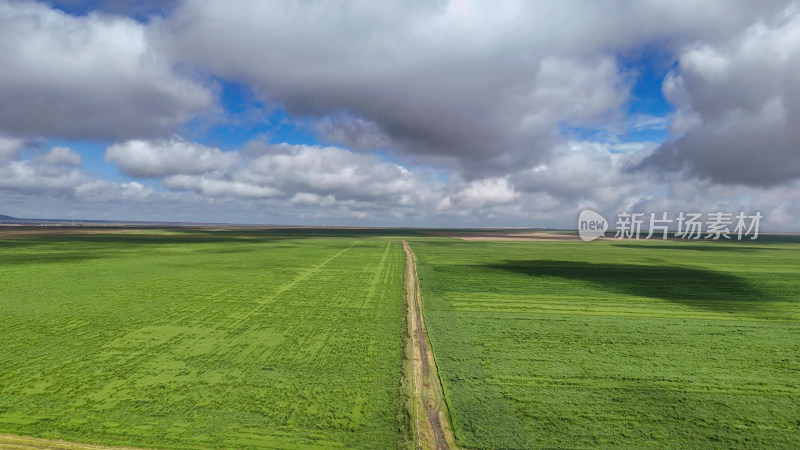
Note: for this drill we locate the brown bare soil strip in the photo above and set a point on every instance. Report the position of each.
(26, 442)
(431, 418)
(509, 236)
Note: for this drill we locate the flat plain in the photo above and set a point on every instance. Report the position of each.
(299, 338)
(567, 344)
(204, 339)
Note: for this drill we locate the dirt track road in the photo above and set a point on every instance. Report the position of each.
(10, 441)
(430, 412)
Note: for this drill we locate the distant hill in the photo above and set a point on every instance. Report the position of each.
(8, 220)
(16, 220)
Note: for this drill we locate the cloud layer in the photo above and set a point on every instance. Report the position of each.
(478, 86)
(95, 76)
(146, 159)
(448, 113)
(738, 107)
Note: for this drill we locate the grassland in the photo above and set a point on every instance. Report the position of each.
(299, 338)
(616, 344)
(204, 339)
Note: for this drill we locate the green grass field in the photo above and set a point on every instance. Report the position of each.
(295, 338)
(204, 339)
(616, 344)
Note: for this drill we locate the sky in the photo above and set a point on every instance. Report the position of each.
(455, 113)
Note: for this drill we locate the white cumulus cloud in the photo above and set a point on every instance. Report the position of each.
(162, 157)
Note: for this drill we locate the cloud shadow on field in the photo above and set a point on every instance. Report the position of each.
(52, 257)
(700, 288)
(80, 248)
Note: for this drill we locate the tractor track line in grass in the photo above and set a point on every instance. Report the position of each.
(11, 441)
(434, 430)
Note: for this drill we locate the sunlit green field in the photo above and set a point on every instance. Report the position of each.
(203, 339)
(296, 338)
(609, 344)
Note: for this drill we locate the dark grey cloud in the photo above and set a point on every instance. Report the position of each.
(352, 132)
(93, 77)
(479, 86)
(9, 148)
(738, 119)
